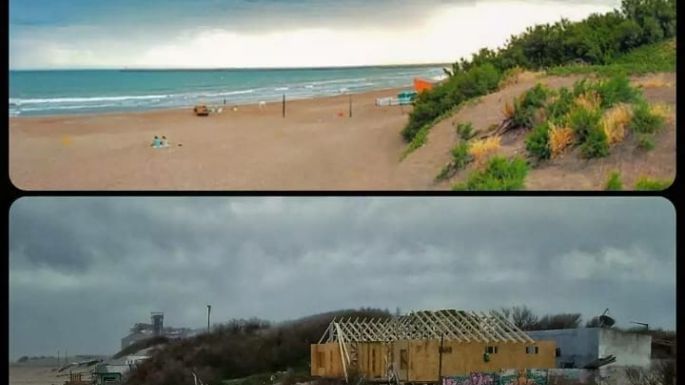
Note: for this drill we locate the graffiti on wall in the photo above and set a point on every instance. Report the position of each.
(529, 377)
(523, 377)
(474, 378)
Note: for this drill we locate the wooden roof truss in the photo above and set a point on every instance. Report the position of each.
(427, 325)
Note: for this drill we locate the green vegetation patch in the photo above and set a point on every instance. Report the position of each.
(647, 184)
(500, 174)
(614, 182)
(637, 38)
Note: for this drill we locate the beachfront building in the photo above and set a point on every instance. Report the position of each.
(425, 346)
(112, 372)
(593, 347)
(155, 328)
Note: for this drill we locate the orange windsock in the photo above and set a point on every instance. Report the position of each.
(422, 85)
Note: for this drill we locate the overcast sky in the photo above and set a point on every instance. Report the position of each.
(269, 33)
(84, 270)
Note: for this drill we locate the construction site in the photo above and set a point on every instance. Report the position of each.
(453, 346)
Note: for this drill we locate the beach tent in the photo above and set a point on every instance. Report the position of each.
(422, 85)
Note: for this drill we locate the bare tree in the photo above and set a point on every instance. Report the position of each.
(559, 321)
(593, 323)
(521, 316)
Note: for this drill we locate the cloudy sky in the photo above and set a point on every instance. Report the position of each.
(83, 270)
(269, 33)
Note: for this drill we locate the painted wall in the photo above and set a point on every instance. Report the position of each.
(616, 376)
(578, 347)
(630, 349)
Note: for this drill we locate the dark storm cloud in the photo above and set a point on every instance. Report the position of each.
(284, 258)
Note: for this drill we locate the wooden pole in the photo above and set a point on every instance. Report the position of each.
(350, 106)
(209, 310)
(284, 105)
(442, 340)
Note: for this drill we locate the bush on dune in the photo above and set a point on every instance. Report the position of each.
(597, 40)
(614, 182)
(647, 184)
(645, 120)
(537, 142)
(501, 174)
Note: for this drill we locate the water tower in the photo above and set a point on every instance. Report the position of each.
(157, 323)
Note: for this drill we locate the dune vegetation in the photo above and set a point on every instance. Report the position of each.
(638, 38)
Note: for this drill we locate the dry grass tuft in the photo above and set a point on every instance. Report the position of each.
(482, 149)
(559, 139)
(656, 81)
(508, 110)
(615, 121)
(589, 100)
(663, 110)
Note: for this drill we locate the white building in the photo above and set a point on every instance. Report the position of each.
(579, 347)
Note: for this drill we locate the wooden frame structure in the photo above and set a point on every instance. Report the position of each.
(447, 324)
(409, 348)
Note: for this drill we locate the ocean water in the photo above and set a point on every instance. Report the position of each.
(97, 91)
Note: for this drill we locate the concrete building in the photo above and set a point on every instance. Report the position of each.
(155, 328)
(579, 347)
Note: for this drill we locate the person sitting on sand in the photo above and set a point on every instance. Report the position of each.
(156, 142)
(165, 142)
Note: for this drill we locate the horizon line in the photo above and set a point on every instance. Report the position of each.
(132, 69)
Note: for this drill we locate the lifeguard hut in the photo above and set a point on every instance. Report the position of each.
(421, 85)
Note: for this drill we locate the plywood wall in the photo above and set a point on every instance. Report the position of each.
(463, 358)
(326, 361)
(422, 358)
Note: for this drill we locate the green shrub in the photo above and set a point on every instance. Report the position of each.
(528, 104)
(418, 141)
(597, 40)
(537, 142)
(465, 131)
(558, 109)
(478, 81)
(536, 96)
(645, 142)
(644, 121)
(595, 145)
(429, 106)
(614, 183)
(460, 158)
(581, 87)
(647, 184)
(501, 174)
(584, 121)
(616, 89)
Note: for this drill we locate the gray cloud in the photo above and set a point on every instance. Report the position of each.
(82, 270)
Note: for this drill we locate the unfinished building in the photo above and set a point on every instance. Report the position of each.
(426, 346)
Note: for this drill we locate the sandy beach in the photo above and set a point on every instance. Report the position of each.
(40, 375)
(317, 146)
